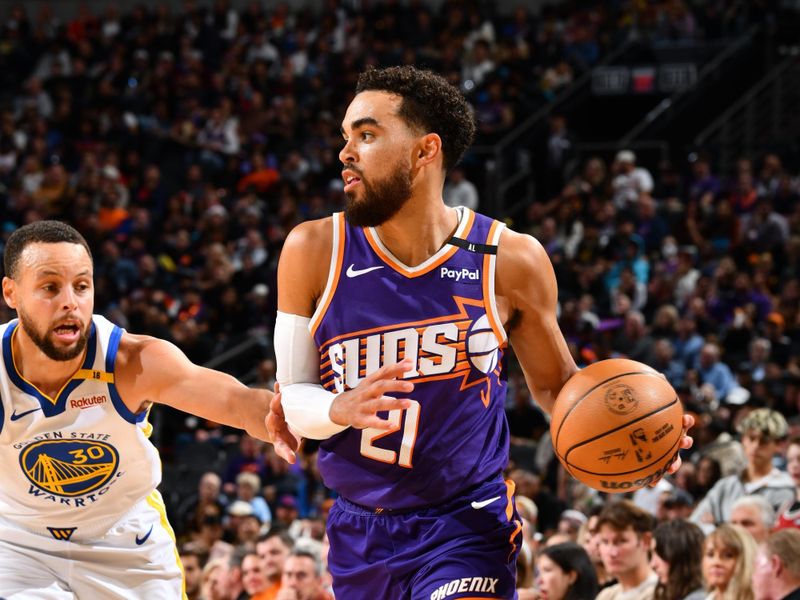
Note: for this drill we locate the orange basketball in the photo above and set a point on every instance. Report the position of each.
(616, 425)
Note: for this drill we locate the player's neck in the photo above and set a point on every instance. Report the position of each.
(418, 230)
(35, 366)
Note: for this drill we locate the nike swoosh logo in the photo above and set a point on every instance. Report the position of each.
(352, 272)
(15, 415)
(482, 503)
(140, 541)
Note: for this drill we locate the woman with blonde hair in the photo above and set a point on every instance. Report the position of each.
(729, 554)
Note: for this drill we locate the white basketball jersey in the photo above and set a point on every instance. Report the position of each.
(73, 465)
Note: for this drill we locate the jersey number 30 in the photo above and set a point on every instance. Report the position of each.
(403, 458)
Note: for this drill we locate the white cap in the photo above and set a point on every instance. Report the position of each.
(626, 156)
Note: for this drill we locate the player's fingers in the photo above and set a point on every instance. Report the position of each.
(688, 422)
(283, 450)
(389, 403)
(676, 464)
(381, 388)
(373, 421)
(275, 406)
(686, 442)
(390, 371)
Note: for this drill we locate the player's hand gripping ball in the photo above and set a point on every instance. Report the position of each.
(617, 425)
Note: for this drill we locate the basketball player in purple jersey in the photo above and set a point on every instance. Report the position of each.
(391, 340)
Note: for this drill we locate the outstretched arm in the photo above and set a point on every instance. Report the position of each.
(154, 370)
(527, 284)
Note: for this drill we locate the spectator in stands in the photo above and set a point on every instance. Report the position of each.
(286, 511)
(248, 487)
(712, 371)
(591, 544)
(677, 504)
(664, 362)
(789, 515)
(215, 574)
(273, 549)
(193, 511)
(249, 459)
(228, 580)
(302, 578)
(762, 432)
(565, 572)
(626, 532)
(193, 558)
(254, 581)
(676, 559)
(728, 557)
(777, 570)
(459, 191)
(630, 181)
(754, 514)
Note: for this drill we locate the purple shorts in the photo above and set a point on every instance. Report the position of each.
(464, 548)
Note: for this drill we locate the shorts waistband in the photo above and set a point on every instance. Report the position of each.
(357, 508)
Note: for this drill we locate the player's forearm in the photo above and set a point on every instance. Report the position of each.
(252, 407)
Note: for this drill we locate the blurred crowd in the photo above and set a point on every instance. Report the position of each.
(185, 144)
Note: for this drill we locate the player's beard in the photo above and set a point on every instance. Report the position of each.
(382, 199)
(45, 344)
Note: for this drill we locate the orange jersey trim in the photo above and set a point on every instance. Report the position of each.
(377, 247)
(334, 274)
(489, 262)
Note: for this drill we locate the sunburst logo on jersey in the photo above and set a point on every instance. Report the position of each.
(69, 467)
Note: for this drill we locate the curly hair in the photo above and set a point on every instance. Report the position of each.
(429, 103)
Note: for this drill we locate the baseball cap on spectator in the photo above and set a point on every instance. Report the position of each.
(240, 508)
(771, 424)
(287, 501)
(625, 156)
(738, 396)
(111, 172)
(574, 516)
(678, 497)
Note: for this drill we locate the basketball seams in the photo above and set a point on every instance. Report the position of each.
(655, 462)
(623, 426)
(588, 393)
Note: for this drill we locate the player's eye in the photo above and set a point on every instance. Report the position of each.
(367, 136)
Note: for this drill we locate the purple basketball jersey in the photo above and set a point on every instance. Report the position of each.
(441, 314)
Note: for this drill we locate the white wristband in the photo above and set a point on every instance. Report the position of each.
(306, 403)
(307, 407)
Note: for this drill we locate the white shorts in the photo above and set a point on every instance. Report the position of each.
(137, 559)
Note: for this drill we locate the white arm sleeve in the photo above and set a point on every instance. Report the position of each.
(305, 402)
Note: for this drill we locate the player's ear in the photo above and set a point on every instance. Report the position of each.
(429, 149)
(10, 292)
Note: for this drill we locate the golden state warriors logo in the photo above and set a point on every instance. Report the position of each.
(69, 467)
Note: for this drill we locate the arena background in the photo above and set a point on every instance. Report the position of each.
(185, 139)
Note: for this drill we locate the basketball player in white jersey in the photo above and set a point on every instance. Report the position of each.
(80, 516)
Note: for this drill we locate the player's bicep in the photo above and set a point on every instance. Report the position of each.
(527, 279)
(169, 377)
(302, 268)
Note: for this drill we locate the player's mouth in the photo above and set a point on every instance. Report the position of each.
(67, 332)
(351, 180)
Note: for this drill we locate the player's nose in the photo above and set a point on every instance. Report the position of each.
(68, 298)
(347, 154)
